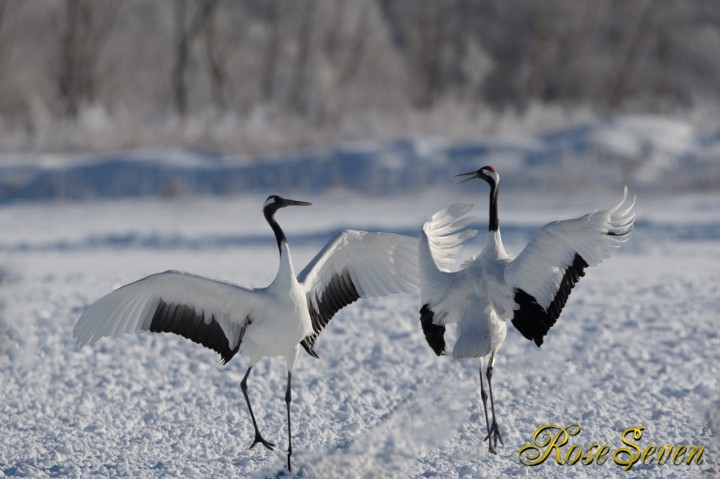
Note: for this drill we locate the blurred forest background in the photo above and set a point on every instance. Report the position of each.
(258, 77)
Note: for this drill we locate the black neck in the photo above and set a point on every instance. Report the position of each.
(269, 212)
(494, 223)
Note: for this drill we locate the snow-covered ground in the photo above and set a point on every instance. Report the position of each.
(637, 345)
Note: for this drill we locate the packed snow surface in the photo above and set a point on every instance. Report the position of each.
(638, 344)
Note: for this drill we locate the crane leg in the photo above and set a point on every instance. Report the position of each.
(288, 398)
(258, 437)
(494, 432)
(484, 397)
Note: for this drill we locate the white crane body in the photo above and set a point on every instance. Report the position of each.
(530, 290)
(273, 321)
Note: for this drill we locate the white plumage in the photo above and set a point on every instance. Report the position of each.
(491, 289)
(131, 308)
(271, 321)
(539, 269)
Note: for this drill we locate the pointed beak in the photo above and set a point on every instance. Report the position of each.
(472, 175)
(296, 203)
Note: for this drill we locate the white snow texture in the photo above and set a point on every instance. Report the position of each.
(638, 344)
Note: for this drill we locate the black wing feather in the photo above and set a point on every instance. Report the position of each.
(532, 320)
(339, 292)
(186, 322)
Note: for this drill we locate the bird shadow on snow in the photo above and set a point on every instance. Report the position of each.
(420, 423)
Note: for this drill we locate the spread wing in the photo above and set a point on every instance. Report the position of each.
(443, 233)
(208, 312)
(441, 239)
(357, 264)
(543, 275)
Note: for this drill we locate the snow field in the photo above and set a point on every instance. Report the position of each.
(637, 344)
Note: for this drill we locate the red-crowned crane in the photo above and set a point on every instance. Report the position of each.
(493, 288)
(272, 321)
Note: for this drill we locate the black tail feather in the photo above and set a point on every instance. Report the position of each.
(434, 334)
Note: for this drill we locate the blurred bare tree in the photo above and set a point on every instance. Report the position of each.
(186, 32)
(3, 43)
(86, 26)
(216, 61)
(322, 61)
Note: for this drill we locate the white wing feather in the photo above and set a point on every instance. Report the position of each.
(443, 233)
(539, 269)
(441, 238)
(377, 263)
(131, 308)
(357, 264)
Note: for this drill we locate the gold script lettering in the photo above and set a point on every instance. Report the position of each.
(679, 453)
(546, 439)
(647, 456)
(587, 458)
(664, 454)
(569, 458)
(692, 450)
(602, 454)
(632, 458)
(551, 438)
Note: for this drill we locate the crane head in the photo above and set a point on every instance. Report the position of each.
(486, 173)
(276, 202)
